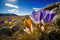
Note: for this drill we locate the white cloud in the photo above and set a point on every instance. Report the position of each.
(11, 5)
(36, 9)
(13, 11)
(11, 0)
(16, 11)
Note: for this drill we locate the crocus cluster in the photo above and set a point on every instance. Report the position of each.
(12, 21)
(45, 15)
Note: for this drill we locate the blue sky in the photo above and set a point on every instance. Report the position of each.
(22, 7)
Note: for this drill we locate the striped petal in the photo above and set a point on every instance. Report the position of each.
(46, 18)
(42, 14)
(52, 14)
(49, 16)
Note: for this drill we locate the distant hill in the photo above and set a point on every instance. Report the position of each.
(7, 14)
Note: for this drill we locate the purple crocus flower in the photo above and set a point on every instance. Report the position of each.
(1, 21)
(46, 18)
(49, 16)
(16, 20)
(52, 14)
(34, 17)
(37, 16)
(9, 19)
(42, 14)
